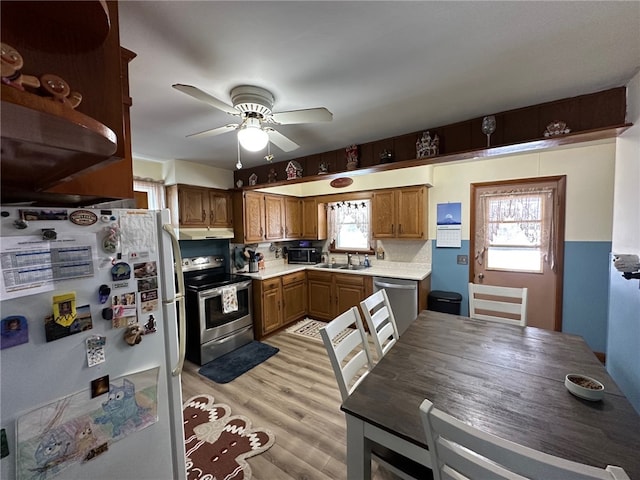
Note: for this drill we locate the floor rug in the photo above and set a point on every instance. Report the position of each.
(233, 364)
(310, 328)
(217, 443)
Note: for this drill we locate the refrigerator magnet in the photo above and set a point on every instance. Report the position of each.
(120, 271)
(95, 350)
(14, 330)
(103, 293)
(99, 386)
(64, 309)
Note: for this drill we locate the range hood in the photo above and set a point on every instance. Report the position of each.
(204, 233)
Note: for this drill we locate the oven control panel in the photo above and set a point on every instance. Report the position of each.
(201, 263)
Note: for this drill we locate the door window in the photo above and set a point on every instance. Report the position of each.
(514, 231)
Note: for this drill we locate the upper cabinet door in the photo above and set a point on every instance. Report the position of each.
(293, 218)
(274, 214)
(314, 219)
(253, 217)
(383, 218)
(194, 206)
(220, 205)
(411, 218)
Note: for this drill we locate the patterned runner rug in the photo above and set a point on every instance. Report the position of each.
(310, 328)
(217, 443)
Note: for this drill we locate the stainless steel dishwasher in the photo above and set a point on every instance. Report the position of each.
(403, 296)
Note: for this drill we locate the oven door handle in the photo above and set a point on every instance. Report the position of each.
(179, 299)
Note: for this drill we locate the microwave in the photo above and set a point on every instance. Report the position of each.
(304, 255)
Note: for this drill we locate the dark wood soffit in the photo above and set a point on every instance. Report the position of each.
(568, 139)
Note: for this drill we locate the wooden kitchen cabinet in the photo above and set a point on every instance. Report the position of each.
(294, 295)
(47, 147)
(314, 219)
(274, 217)
(331, 294)
(266, 217)
(400, 213)
(267, 303)
(199, 207)
(220, 209)
(292, 218)
(248, 210)
(279, 301)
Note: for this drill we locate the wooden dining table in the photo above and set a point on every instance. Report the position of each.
(504, 379)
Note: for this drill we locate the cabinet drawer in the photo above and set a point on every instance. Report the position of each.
(294, 278)
(350, 279)
(270, 284)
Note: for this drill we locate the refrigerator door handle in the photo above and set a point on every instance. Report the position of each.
(179, 299)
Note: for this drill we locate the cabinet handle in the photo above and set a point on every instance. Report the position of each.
(211, 217)
(204, 215)
(400, 228)
(281, 231)
(393, 228)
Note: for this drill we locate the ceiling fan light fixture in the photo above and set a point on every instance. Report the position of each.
(251, 135)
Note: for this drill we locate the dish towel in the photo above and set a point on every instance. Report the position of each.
(229, 299)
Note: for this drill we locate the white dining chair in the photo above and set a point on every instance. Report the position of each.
(348, 352)
(351, 362)
(460, 451)
(502, 304)
(381, 322)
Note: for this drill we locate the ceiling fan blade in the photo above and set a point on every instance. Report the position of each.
(206, 98)
(280, 141)
(310, 115)
(214, 131)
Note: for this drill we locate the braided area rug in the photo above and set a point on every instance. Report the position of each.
(217, 443)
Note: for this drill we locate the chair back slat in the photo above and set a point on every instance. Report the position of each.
(489, 302)
(461, 451)
(380, 321)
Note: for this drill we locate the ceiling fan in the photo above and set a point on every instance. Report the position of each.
(254, 107)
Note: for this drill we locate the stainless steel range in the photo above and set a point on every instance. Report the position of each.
(219, 309)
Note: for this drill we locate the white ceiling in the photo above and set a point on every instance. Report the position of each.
(382, 68)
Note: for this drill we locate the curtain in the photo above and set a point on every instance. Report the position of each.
(357, 212)
(154, 190)
(531, 210)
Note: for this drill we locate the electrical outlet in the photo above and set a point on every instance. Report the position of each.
(463, 260)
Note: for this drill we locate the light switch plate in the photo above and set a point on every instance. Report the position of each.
(463, 260)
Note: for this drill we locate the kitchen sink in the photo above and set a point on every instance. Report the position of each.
(335, 266)
(353, 267)
(340, 266)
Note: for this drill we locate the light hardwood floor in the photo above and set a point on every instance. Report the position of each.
(294, 394)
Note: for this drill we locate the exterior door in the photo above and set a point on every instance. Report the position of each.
(518, 241)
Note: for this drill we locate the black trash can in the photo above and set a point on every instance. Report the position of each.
(445, 302)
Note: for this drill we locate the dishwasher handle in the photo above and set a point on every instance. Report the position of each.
(397, 286)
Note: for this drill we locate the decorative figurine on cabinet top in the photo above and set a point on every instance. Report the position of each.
(273, 176)
(253, 179)
(557, 127)
(59, 89)
(351, 154)
(11, 64)
(427, 146)
(293, 170)
(323, 168)
(386, 156)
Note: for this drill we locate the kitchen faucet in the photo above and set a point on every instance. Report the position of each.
(349, 255)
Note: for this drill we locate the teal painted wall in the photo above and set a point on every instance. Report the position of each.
(586, 284)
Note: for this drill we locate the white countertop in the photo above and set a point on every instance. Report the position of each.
(405, 270)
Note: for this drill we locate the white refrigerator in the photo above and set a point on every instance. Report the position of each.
(91, 353)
